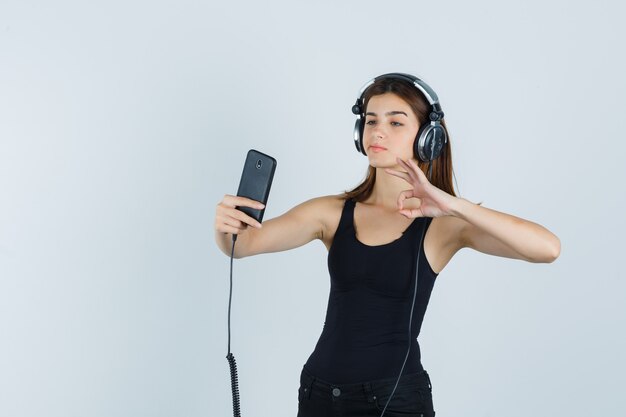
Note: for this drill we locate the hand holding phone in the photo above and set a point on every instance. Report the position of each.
(229, 219)
(235, 213)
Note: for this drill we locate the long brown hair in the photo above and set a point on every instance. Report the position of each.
(441, 167)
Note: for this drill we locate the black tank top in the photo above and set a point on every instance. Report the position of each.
(371, 291)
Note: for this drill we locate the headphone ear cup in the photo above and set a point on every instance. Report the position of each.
(359, 126)
(429, 142)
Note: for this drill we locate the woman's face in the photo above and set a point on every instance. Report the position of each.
(390, 130)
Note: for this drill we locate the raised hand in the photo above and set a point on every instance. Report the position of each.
(434, 201)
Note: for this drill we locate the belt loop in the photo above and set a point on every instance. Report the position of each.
(309, 388)
(307, 383)
(430, 385)
(367, 388)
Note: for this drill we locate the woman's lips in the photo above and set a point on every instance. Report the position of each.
(377, 149)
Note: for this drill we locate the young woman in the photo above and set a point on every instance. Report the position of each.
(397, 224)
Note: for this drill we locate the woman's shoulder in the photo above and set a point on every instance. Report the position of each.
(325, 207)
(327, 203)
(333, 199)
(330, 206)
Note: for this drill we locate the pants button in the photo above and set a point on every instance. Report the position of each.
(336, 392)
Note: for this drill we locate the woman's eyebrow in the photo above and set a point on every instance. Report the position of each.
(389, 113)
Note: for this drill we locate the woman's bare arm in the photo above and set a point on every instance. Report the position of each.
(500, 234)
(480, 228)
(298, 226)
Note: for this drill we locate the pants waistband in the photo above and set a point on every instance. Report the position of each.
(311, 380)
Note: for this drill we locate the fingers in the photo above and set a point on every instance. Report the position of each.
(409, 176)
(409, 213)
(236, 200)
(227, 227)
(227, 218)
(244, 218)
(400, 174)
(409, 168)
(416, 172)
(403, 196)
(230, 219)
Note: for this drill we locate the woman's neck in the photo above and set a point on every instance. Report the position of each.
(387, 189)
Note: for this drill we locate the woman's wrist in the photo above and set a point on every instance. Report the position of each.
(457, 206)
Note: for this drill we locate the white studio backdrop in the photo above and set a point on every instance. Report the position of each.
(123, 124)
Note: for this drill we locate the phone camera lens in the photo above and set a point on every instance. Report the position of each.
(258, 164)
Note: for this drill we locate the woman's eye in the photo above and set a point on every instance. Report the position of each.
(372, 122)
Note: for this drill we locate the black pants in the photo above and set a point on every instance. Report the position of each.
(412, 397)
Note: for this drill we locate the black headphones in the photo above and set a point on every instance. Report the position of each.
(431, 137)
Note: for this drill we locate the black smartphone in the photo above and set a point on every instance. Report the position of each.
(256, 181)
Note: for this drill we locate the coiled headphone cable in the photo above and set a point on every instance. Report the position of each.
(230, 357)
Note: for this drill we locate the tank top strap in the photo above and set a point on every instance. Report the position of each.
(345, 222)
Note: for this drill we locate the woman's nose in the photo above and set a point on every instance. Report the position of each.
(378, 131)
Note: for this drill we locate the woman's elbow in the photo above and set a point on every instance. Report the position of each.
(553, 251)
(557, 248)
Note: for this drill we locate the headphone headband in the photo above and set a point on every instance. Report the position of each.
(431, 96)
(428, 92)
